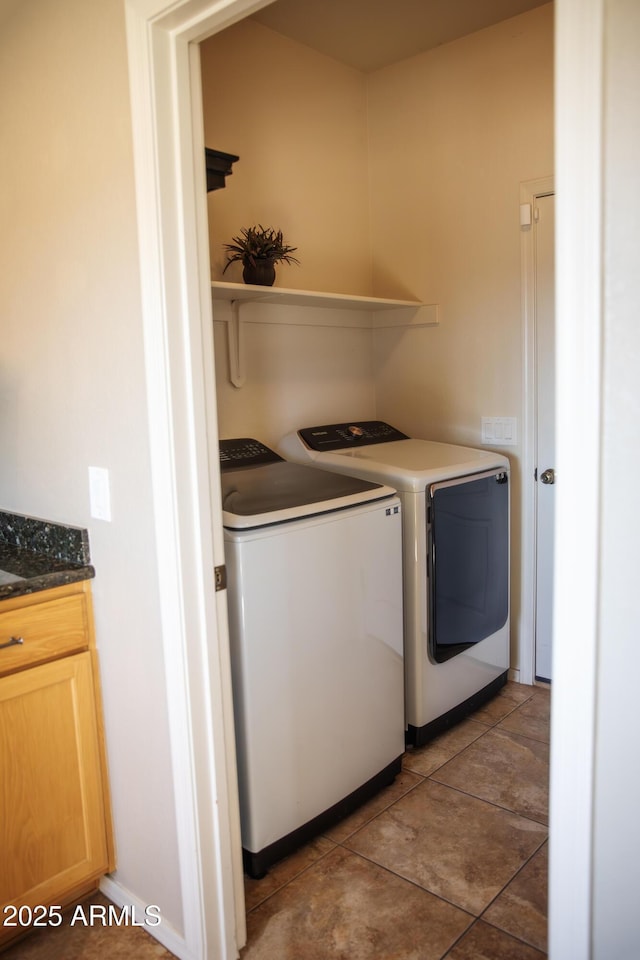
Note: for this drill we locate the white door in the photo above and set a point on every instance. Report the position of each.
(543, 227)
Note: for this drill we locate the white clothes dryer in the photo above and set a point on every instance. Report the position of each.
(455, 507)
(314, 579)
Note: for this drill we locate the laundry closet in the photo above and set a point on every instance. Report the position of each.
(400, 183)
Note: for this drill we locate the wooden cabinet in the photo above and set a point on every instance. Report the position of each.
(55, 833)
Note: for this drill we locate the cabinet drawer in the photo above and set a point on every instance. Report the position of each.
(49, 629)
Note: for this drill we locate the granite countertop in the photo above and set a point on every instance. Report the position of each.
(39, 555)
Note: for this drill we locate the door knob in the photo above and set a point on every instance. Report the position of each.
(548, 476)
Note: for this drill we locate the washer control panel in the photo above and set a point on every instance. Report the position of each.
(336, 436)
(245, 452)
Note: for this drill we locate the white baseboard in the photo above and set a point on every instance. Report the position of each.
(163, 932)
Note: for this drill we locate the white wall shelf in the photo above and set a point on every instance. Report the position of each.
(248, 292)
(385, 312)
(366, 312)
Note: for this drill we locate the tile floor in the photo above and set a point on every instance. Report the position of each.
(450, 861)
(95, 942)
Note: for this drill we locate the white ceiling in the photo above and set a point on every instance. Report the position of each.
(369, 34)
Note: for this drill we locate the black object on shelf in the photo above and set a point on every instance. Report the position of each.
(218, 167)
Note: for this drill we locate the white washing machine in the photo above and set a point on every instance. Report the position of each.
(455, 505)
(314, 576)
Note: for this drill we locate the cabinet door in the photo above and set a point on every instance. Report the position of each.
(52, 817)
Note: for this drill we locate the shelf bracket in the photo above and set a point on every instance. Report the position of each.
(235, 345)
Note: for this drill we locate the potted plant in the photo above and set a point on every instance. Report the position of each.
(259, 249)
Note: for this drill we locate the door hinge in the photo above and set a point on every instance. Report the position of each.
(220, 574)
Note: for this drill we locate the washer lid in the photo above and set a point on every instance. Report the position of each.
(276, 492)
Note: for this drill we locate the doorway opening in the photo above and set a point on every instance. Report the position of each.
(183, 425)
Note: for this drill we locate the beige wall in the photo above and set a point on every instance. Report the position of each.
(297, 120)
(450, 135)
(72, 379)
(301, 135)
(296, 375)
(465, 123)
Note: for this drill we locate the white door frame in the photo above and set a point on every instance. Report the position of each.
(530, 190)
(168, 141)
(182, 428)
(579, 141)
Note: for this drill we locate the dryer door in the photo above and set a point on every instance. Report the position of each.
(468, 561)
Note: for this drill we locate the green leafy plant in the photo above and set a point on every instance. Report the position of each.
(259, 244)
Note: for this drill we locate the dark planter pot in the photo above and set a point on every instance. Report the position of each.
(264, 273)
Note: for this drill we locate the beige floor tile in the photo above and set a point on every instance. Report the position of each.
(456, 846)
(404, 782)
(255, 891)
(483, 942)
(503, 768)
(532, 718)
(424, 760)
(521, 909)
(89, 942)
(510, 697)
(344, 908)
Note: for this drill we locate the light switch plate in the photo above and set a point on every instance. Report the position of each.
(500, 431)
(99, 493)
